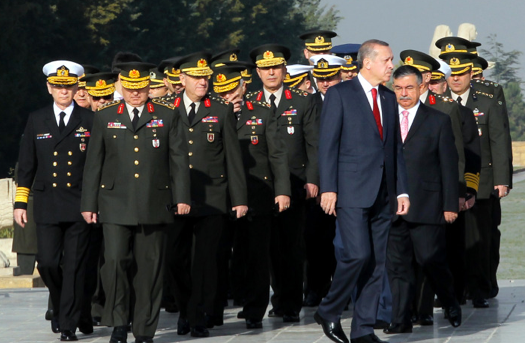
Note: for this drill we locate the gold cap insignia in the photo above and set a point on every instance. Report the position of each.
(454, 61)
(268, 54)
(319, 39)
(287, 77)
(202, 63)
(153, 75)
(221, 78)
(409, 60)
(322, 64)
(62, 71)
(233, 57)
(134, 74)
(450, 47)
(348, 59)
(101, 83)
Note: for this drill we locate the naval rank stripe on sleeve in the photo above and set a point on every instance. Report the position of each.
(22, 194)
(472, 180)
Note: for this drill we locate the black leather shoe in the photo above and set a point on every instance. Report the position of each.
(97, 321)
(183, 326)
(398, 328)
(275, 313)
(241, 315)
(453, 314)
(85, 326)
(372, 338)
(119, 334)
(292, 317)
(312, 299)
(425, 320)
(199, 331)
(253, 324)
(380, 325)
(55, 325)
(68, 336)
(332, 330)
(49, 314)
(143, 339)
(480, 303)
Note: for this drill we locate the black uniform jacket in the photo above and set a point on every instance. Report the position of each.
(55, 161)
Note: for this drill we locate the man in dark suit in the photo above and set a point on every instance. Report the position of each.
(52, 155)
(136, 167)
(431, 160)
(296, 116)
(362, 175)
(218, 186)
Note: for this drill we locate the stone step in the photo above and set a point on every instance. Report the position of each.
(22, 281)
(10, 271)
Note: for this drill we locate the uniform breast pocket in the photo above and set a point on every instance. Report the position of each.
(212, 135)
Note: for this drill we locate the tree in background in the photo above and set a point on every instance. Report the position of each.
(92, 32)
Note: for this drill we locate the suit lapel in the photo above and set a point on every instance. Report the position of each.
(363, 102)
(145, 117)
(124, 118)
(182, 112)
(245, 115)
(202, 112)
(421, 116)
(387, 116)
(72, 123)
(51, 123)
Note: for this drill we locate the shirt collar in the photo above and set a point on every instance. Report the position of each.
(130, 109)
(423, 96)
(187, 103)
(464, 96)
(412, 111)
(278, 95)
(367, 86)
(68, 110)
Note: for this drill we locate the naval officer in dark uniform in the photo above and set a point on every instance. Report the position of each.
(136, 168)
(52, 155)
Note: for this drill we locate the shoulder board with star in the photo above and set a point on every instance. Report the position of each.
(168, 98)
(298, 91)
(251, 94)
(219, 100)
(486, 83)
(261, 103)
(109, 104)
(485, 94)
(162, 102)
(443, 98)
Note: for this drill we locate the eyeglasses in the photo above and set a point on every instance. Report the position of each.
(106, 97)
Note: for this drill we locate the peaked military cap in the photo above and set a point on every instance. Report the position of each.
(63, 73)
(479, 64)
(231, 55)
(196, 64)
(296, 73)
(459, 62)
(227, 76)
(269, 55)
(88, 69)
(419, 60)
(100, 84)
(172, 74)
(134, 75)
(443, 71)
(318, 40)
(455, 44)
(156, 78)
(326, 66)
(349, 53)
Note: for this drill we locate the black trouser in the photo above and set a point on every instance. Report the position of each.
(494, 246)
(195, 295)
(61, 257)
(135, 250)
(92, 269)
(427, 243)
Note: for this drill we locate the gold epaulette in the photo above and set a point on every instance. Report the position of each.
(219, 100)
(250, 94)
(485, 94)
(261, 103)
(472, 180)
(163, 102)
(298, 91)
(486, 82)
(109, 104)
(444, 98)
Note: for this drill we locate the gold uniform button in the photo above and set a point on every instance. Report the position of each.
(70, 153)
(68, 174)
(136, 137)
(54, 184)
(136, 176)
(136, 149)
(102, 186)
(191, 142)
(69, 163)
(54, 174)
(190, 154)
(68, 184)
(266, 177)
(136, 162)
(190, 129)
(55, 153)
(253, 132)
(222, 175)
(55, 164)
(191, 166)
(114, 136)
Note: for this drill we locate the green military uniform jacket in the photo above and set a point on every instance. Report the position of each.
(216, 170)
(133, 175)
(299, 128)
(264, 157)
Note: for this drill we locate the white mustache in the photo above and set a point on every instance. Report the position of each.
(405, 98)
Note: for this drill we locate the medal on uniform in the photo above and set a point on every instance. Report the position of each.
(290, 130)
(479, 131)
(155, 142)
(211, 137)
(82, 147)
(255, 140)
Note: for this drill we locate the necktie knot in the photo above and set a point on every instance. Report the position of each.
(459, 100)
(405, 114)
(374, 93)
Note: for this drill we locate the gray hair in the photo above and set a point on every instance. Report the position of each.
(367, 50)
(407, 71)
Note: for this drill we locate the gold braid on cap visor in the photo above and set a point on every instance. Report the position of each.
(270, 62)
(465, 67)
(436, 75)
(197, 71)
(98, 91)
(294, 81)
(477, 70)
(134, 83)
(318, 46)
(156, 84)
(329, 72)
(226, 86)
(62, 80)
(352, 67)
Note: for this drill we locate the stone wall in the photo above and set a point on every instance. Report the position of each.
(518, 154)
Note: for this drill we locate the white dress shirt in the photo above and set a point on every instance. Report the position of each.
(187, 104)
(130, 110)
(423, 96)
(367, 87)
(464, 96)
(278, 95)
(411, 114)
(68, 110)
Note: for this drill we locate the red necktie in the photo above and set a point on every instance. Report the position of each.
(377, 115)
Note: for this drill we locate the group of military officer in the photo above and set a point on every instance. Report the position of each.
(184, 183)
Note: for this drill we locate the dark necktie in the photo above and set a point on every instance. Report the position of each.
(191, 115)
(61, 123)
(272, 102)
(377, 114)
(459, 100)
(238, 115)
(135, 120)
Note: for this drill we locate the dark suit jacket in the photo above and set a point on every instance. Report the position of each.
(431, 160)
(55, 161)
(216, 170)
(264, 157)
(132, 175)
(352, 156)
